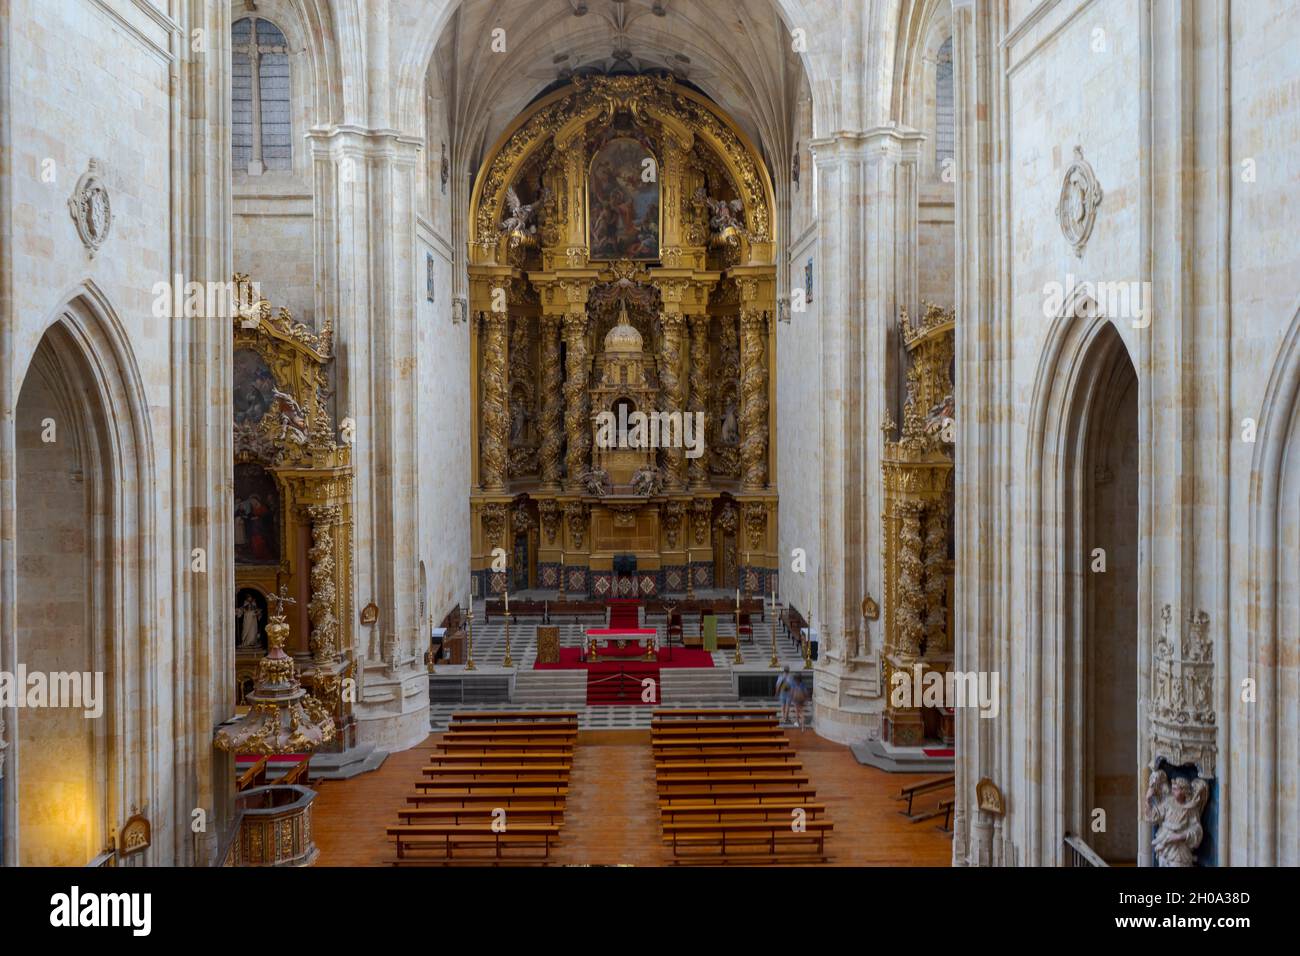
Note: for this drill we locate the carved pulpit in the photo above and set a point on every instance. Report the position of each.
(292, 504)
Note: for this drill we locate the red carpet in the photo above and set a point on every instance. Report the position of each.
(624, 613)
(620, 681)
(937, 752)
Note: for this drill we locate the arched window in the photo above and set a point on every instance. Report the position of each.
(943, 131)
(259, 114)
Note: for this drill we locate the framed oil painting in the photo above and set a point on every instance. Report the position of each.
(254, 387)
(623, 201)
(257, 516)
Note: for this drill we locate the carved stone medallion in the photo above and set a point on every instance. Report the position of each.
(90, 209)
(1081, 194)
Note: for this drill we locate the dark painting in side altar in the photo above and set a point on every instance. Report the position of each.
(623, 198)
(254, 387)
(257, 516)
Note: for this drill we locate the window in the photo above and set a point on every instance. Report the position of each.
(259, 114)
(944, 146)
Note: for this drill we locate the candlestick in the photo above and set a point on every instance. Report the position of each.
(469, 637)
(773, 662)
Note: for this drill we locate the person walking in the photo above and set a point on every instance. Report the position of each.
(784, 686)
(797, 697)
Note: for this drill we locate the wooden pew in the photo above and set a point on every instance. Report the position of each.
(946, 806)
(739, 781)
(780, 809)
(463, 784)
(452, 742)
(674, 757)
(492, 796)
(674, 743)
(666, 770)
(909, 793)
(517, 715)
(508, 771)
(296, 775)
(253, 775)
(759, 840)
(699, 795)
(524, 813)
(448, 837)
(714, 728)
(468, 736)
(498, 758)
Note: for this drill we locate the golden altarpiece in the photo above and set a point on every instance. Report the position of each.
(292, 505)
(918, 535)
(621, 253)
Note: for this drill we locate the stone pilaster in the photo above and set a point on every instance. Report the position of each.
(863, 180)
(552, 402)
(699, 402)
(495, 411)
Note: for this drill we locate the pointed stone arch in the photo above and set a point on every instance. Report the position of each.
(1273, 638)
(97, 492)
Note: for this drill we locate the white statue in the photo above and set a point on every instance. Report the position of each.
(1176, 810)
(250, 617)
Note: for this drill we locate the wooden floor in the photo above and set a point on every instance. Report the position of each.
(612, 818)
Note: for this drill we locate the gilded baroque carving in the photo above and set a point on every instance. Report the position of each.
(548, 510)
(726, 450)
(576, 399)
(756, 524)
(552, 408)
(671, 519)
(701, 513)
(670, 388)
(320, 610)
(495, 415)
(575, 512)
(753, 397)
(494, 524)
(699, 381)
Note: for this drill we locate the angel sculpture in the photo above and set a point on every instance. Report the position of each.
(724, 216)
(596, 482)
(293, 420)
(519, 223)
(1176, 810)
(647, 481)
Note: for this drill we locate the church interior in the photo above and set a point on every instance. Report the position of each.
(649, 433)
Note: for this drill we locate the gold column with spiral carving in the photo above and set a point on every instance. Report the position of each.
(552, 402)
(672, 323)
(753, 398)
(699, 467)
(496, 414)
(577, 425)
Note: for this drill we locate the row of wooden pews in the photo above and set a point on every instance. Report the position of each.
(494, 790)
(732, 790)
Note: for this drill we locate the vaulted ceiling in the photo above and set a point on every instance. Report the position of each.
(736, 52)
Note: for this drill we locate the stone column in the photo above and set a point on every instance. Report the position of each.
(577, 417)
(495, 413)
(699, 467)
(552, 403)
(671, 393)
(862, 180)
(753, 399)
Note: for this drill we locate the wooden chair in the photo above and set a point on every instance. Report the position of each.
(745, 627)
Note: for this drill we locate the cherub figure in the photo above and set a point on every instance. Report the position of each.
(519, 222)
(1176, 810)
(293, 420)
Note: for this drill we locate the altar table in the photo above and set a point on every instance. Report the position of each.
(621, 641)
